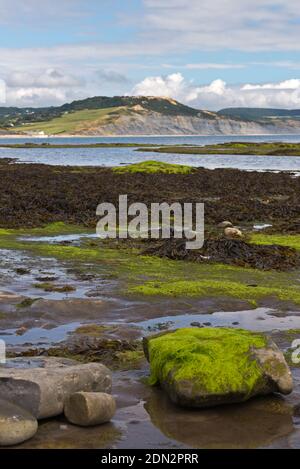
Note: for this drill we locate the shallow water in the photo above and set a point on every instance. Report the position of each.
(70, 238)
(120, 156)
(39, 335)
(259, 319)
(37, 271)
(261, 226)
(145, 417)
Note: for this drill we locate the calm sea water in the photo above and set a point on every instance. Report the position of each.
(120, 156)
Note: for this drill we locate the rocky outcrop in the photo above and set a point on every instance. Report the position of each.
(43, 388)
(212, 366)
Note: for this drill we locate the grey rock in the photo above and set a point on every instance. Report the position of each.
(275, 368)
(42, 389)
(196, 324)
(89, 408)
(16, 424)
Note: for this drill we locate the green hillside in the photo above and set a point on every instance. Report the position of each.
(73, 122)
(259, 114)
(13, 117)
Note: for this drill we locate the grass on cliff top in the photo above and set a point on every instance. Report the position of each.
(216, 360)
(152, 167)
(73, 122)
(140, 275)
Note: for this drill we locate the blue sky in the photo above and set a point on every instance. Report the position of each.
(206, 53)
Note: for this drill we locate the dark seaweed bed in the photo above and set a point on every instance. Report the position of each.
(34, 194)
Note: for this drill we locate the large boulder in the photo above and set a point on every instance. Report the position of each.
(16, 424)
(212, 366)
(43, 386)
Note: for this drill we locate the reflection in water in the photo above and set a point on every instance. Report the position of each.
(59, 434)
(258, 319)
(250, 425)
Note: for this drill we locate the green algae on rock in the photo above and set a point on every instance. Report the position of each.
(49, 287)
(212, 366)
(152, 167)
(137, 274)
(290, 240)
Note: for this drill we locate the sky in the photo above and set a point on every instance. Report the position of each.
(208, 54)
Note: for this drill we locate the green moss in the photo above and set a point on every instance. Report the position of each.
(222, 287)
(4, 232)
(50, 287)
(56, 228)
(154, 167)
(150, 275)
(292, 241)
(215, 359)
(93, 330)
(51, 229)
(27, 302)
(292, 332)
(129, 359)
(288, 357)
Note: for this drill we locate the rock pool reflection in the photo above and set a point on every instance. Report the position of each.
(254, 424)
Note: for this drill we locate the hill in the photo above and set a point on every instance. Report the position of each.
(259, 114)
(139, 115)
(19, 116)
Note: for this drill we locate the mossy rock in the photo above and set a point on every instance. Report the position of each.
(212, 366)
(153, 167)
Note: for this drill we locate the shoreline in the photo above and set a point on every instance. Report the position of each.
(46, 137)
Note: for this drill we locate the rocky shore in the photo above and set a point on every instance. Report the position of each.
(218, 324)
(32, 195)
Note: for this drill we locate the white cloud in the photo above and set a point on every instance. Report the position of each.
(42, 87)
(163, 31)
(206, 66)
(2, 92)
(212, 66)
(171, 85)
(49, 78)
(250, 25)
(293, 84)
(36, 96)
(218, 94)
(37, 13)
(111, 76)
